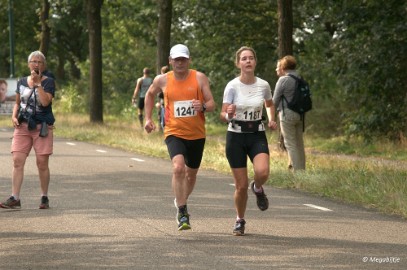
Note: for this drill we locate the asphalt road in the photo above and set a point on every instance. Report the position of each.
(112, 209)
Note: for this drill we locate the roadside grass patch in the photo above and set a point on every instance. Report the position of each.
(362, 181)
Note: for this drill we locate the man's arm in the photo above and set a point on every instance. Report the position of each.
(206, 91)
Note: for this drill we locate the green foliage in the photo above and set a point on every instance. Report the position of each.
(128, 47)
(215, 30)
(70, 47)
(26, 28)
(353, 53)
(383, 148)
(374, 73)
(69, 99)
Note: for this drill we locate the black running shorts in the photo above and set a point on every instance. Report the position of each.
(239, 146)
(192, 150)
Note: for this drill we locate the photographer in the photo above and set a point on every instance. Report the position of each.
(33, 125)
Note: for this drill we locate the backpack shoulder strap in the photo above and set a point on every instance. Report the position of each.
(294, 77)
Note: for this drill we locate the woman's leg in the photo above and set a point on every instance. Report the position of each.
(241, 187)
(19, 159)
(43, 172)
(261, 166)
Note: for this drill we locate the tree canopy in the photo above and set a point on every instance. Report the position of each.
(353, 53)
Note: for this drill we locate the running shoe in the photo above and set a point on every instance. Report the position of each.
(44, 202)
(11, 203)
(262, 201)
(183, 219)
(238, 230)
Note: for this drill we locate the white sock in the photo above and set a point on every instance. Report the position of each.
(257, 190)
(16, 197)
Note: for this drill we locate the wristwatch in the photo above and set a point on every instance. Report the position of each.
(203, 107)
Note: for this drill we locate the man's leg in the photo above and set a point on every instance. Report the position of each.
(190, 180)
(140, 116)
(178, 180)
(181, 190)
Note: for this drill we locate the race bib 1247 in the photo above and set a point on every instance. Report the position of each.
(184, 108)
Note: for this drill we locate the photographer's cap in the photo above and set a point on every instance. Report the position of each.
(179, 50)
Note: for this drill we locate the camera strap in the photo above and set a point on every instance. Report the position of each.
(35, 101)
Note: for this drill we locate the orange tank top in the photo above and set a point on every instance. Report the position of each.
(181, 120)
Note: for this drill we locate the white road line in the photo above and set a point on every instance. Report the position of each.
(137, 159)
(101, 151)
(69, 143)
(318, 207)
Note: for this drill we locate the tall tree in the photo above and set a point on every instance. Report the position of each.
(93, 9)
(164, 33)
(285, 27)
(285, 39)
(45, 35)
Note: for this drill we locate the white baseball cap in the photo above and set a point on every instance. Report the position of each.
(179, 50)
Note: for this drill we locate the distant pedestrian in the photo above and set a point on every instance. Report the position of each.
(160, 104)
(142, 85)
(243, 101)
(187, 97)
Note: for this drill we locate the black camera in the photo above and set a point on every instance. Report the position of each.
(25, 116)
(44, 129)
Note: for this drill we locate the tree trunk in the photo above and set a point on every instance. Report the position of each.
(95, 54)
(45, 29)
(285, 28)
(164, 33)
(285, 41)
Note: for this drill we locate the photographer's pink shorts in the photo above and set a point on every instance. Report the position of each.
(24, 140)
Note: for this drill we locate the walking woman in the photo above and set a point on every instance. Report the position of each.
(291, 122)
